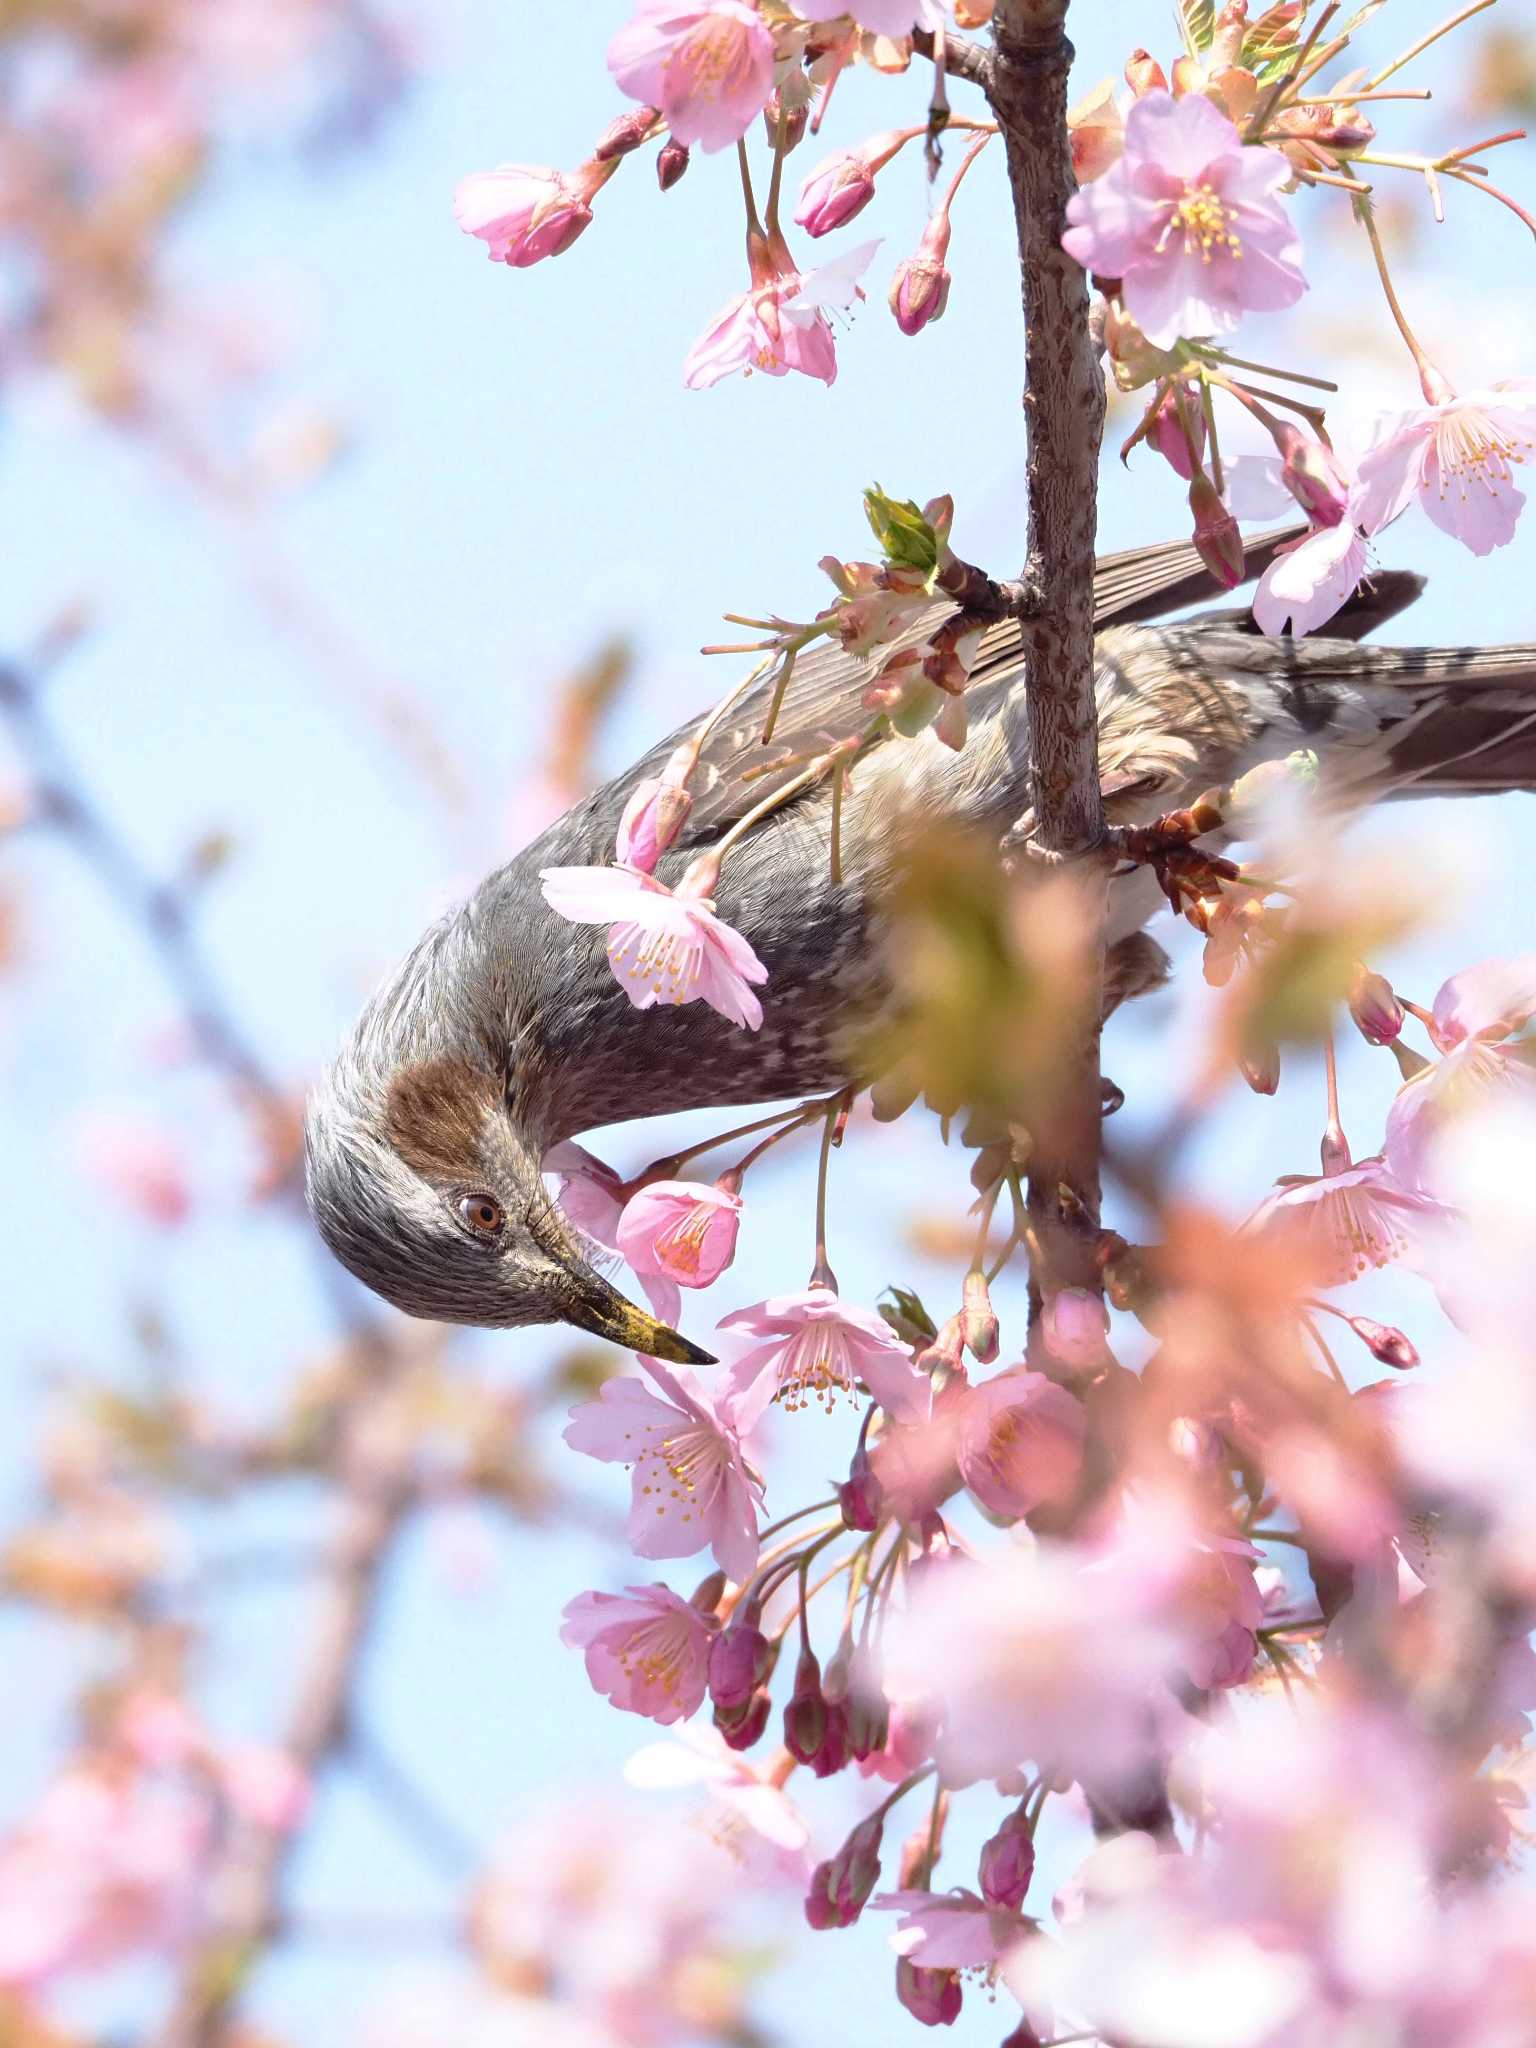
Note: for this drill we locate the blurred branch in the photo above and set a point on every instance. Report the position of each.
(245, 1886)
(448, 1846)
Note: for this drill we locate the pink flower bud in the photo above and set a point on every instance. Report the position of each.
(1023, 2036)
(1259, 1066)
(1217, 540)
(978, 1322)
(835, 192)
(947, 1349)
(806, 1715)
(840, 1887)
(740, 1659)
(795, 122)
(625, 133)
(861, 1498)
(920, 288)
(524, 212)
(1312, 476)
(653, 817)
(1388, 1346)
(1075, 1326)
(834, 1751)
(1143, 73)
(671, 162)
(1231, 29)
(1008, 1863)
(1170, 438)
(867, 1720)
(1377, 1013)
(741, 1727)
(932, 1996)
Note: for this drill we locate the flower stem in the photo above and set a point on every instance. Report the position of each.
(754, 225)
(839, 777)
(1428, 374)
(822, 1274)
(1424, 42)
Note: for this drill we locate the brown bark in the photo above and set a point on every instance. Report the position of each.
(1063, 413)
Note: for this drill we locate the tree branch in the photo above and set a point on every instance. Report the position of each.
(961, 59)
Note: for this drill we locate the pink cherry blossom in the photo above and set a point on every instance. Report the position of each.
(1020, 1442)
(1190, 221)
(762, 1826)
(664, 945)
(813, 1346)
(679, 1233)
(1459, 458)
(780, 323)
(709, 68)
(692, 1487)
(591, 1194)
(881, 17)
(952, 1930)
(645, 1648)
(525, 212)
(1057, 1656)
(102, 1865)
(139, 1163)
(1309, 579)
(1342, 1224)
(1474, 1013)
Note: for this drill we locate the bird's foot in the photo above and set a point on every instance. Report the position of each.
(1184, 871)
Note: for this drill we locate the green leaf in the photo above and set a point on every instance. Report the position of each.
(1197, 24)
(906, 539)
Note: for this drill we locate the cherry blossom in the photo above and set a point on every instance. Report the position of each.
(1020, 1442)
(664, 945)
(1476, 1015)
(1342, 1224)
(1190, 221)
(591, 1194)
(880, 17)
(140, 1163)
(780, 324)
(645, 1648)
(1458, 456)
(679, 1233)
(761, 1825)
(525, 212)
(1310, 578)
(953, 1930)
(813, 1346)
(708, 68)
(692, 1487)
(920, 287)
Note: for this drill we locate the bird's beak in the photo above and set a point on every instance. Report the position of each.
(597, 1307)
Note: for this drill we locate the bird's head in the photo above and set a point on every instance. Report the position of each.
(423, 1187)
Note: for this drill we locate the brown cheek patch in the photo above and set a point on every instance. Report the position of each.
(435, 1115)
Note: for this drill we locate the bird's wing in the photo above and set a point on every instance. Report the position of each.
(822, 703)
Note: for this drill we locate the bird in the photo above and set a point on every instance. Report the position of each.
(504, 1032)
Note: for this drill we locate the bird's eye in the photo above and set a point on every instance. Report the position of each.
(483, 1213)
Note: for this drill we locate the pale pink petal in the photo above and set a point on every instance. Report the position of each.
(593, 895)
(1306, 584)
(1497, 996)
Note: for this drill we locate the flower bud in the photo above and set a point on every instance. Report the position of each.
(932, 1996)
(806, 1715)
(1218, 542)
(1171, 437)
(867, 1720)
(920, 289)
(1377, 1013)
(947, 1349)
(1096, 129)
(741, 1727)
(1188, 77)
(840, 1887)
(1074, 1326)
(740, 1659)
(1143, 73)
(978, 1323)
(706, 1594)
(1259, 1065)
(794, 121)
(671, 162)
(653, 817)
(833, 1751)
(1271, 781)
(1132, 358)
(1231, 28)
(625, 133)
(1312, 475)
(835, 192)
(1388, 1346)
(1008, 1863)
(861, 1498)
(525, 212)
(1023, 2036)
(973, 13)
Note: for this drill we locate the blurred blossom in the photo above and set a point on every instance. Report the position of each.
(138, 1162)
(1339, 1225)
(1482, 1067)
(1020, 1442)
(1048, 1655)
(102, 1865)
(758, 1825)
(708, 68)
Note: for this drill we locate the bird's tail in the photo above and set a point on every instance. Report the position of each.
(1402, 721)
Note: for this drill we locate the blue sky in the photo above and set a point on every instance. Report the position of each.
(526, 476)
